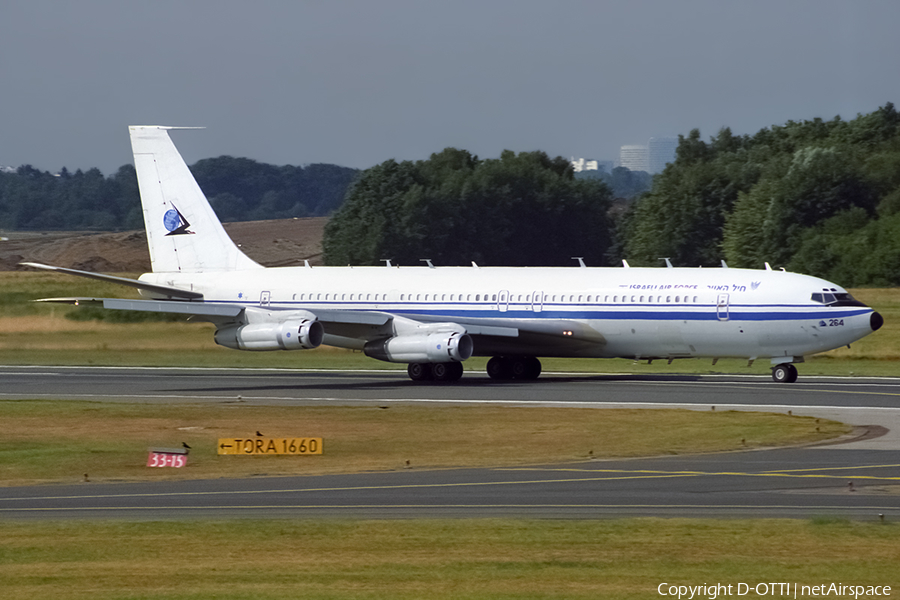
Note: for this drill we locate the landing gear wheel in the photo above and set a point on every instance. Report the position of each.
(532, 368)
(446, 371)
(518, 367)
(419, 371)
(499, 368)
(784, 373)
(513, 367)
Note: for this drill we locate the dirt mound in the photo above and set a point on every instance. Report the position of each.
(275, 243)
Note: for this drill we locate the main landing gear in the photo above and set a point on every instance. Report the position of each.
(784, 373)
(500, 368)
(449, 371)
(514, 367)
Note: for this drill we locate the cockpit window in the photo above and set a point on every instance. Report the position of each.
(835, 299)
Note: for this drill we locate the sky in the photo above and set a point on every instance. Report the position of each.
(358, 82)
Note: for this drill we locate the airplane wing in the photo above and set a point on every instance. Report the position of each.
(490, 336)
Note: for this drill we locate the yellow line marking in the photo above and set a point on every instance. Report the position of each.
(726, 473)
(622, 475)
(835, 468)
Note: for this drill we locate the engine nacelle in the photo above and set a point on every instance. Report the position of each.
(303, 334)
(449, 346)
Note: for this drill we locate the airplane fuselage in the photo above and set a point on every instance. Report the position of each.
(589, 312)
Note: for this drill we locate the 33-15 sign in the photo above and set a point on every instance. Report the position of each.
(166, 459)
(270, 446)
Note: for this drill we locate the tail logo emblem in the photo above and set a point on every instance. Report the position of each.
(175, 222)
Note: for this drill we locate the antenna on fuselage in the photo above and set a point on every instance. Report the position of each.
(625, 264)
(724, 264)
(427, 260)
(474, 265)
(768, 267)
(387, 262)
(580, 260)
(668, 263)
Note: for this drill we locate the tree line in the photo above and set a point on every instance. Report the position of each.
(817, 197)
(239, 189)
(454, 208)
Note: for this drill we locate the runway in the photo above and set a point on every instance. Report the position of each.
(798, 482)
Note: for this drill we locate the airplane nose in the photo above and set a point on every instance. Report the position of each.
(876, 321)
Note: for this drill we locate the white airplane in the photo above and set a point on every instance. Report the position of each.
(435, 318)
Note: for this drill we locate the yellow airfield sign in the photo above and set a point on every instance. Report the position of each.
(262, 446)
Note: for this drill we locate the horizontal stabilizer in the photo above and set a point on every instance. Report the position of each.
(135, 283)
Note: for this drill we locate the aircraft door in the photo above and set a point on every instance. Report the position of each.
(537, 301)
(503, 300)
(722, 307)
(265, 298)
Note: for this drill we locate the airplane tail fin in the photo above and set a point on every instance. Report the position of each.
(183, 231)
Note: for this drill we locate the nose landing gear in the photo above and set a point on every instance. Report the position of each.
(784, 373)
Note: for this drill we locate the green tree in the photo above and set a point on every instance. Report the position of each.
(520, 209)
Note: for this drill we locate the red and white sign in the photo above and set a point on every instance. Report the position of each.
(166, 459)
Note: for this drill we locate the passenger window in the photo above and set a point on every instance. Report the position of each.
(677, 299)
(477, 297)
(642, 299)
(493, 298)
(668, 298)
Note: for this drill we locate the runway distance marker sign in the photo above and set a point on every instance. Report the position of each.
(167, 457)
(261, 446)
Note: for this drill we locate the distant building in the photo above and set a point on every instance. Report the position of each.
(651, 158)
(662, 152)
(591, 168)
(635, 158)
(583, 164)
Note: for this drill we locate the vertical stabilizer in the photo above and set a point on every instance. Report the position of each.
(183, 231)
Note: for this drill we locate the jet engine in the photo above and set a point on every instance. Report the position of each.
(439, 347)
(293, 334)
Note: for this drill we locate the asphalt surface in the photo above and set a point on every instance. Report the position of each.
(855, 479)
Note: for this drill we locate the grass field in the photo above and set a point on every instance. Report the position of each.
(60, 441)
(459, 559)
